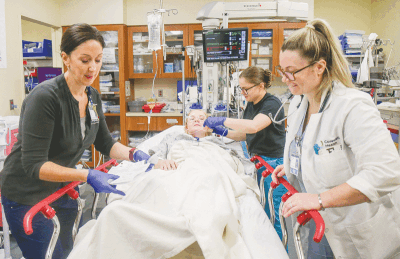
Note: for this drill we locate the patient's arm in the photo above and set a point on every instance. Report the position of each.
(166, 165)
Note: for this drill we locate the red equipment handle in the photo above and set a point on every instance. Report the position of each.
(305, 216)
(48, 211)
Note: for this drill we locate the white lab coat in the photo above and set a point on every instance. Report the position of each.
(367, 160)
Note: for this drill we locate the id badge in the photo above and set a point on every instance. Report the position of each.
(294, 165)
(94, 117)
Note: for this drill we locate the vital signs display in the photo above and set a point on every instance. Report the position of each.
(225, 44)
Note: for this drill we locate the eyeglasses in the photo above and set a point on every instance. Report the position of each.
(290, 75)
(200, 117)
(246, 91)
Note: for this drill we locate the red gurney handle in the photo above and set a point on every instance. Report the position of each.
(48, 211)
(305, 216)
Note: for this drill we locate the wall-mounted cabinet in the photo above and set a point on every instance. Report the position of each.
(144, 63)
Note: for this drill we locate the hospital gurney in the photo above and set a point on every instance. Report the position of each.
(44, 207)
(302, 219)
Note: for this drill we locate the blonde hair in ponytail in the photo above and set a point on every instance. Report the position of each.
(317, 41)
(257, 75)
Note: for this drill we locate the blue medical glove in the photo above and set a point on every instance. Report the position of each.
(140, 156)
(213, 122)
(99, 181)
(150, 167)
(220, 130)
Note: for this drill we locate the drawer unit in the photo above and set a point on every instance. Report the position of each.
(164, 123)
(141, 123)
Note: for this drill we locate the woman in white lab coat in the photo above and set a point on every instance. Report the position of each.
(338, 152)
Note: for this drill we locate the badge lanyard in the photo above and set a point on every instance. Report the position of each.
(295, 157)
(94, 117)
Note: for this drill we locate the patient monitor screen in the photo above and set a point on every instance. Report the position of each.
(225, 44)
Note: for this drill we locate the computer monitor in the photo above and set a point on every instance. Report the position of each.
(225, 44)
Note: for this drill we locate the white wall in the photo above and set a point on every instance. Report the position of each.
(34, 32)
(92, 11)
(386, 17)
(345, 14)
(187, 10)
(11, 78)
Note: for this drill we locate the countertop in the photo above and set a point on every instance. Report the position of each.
(160, 114)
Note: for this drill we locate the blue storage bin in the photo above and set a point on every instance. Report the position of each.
(261, 33)
(37, 49)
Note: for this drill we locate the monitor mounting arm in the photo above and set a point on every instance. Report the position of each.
(275, 10)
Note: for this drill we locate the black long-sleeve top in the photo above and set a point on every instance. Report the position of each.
(50, 130)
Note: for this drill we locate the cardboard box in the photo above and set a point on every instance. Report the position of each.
(263, 50)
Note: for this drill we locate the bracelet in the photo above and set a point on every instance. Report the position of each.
(131, 154)
(320, 202)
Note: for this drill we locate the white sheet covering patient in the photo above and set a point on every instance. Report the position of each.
(209, 198)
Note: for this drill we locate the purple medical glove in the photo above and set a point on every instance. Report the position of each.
(99, 181)
(220, 130)
(213, 122)
(140, 156)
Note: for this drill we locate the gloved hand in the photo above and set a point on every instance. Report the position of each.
(140, 156)
(150, 167)
(213, 122)
(99, 181)
(220, 130)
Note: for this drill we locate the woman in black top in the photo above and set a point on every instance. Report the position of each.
(59, 119)
(262, 136)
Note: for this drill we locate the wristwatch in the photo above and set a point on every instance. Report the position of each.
(320, 202)
(131, 154)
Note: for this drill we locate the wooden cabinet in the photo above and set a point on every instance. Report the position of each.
(286, 29)
(144, 63)
(113, 76)
(263, 40)
(164, 123)
(140, 123)
(176, 37)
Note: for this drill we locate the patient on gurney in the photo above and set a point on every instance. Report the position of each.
(199, 190)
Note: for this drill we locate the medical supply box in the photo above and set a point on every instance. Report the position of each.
(37, 49)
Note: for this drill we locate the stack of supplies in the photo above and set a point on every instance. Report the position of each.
(106, 83)
(352, 42)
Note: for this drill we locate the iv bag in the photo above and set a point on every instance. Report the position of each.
(154, 26)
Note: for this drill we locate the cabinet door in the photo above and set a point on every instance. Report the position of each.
(112, 77)
(142, 61)
(285, 30)
(164, 123)
(263, 39)
(196, 40)
(141, 124)
(176, 37)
